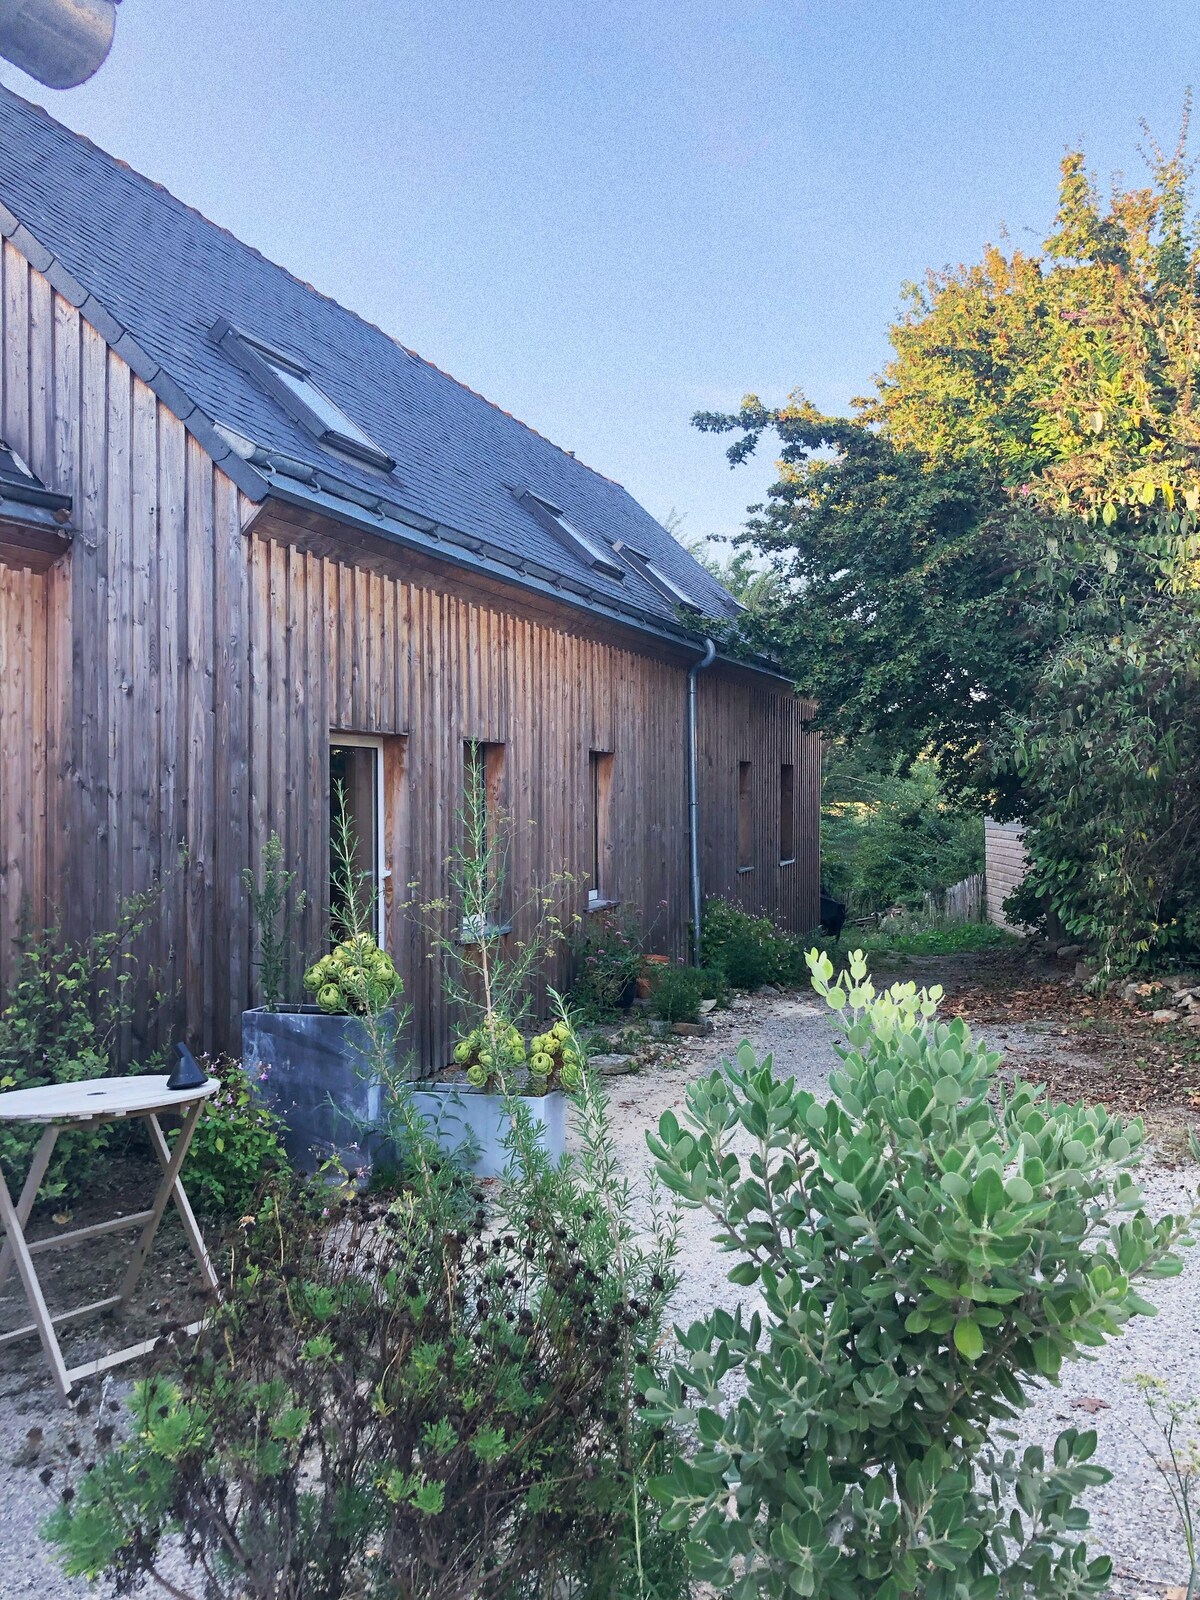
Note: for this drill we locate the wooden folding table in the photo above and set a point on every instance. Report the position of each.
(87, 1105)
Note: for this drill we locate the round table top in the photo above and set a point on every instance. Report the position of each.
(99, 1097)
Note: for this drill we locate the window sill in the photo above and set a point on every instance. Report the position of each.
(473, 935)
(790, 861)
(744, 869)
(601, 905)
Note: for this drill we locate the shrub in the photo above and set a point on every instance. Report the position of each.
(490, 1053)
(65, 1009)
(356, 979)
(677, 994)
(555, 1059)
(749, 950)
(608, 959)
(399, 1400)
(235, 1148)
(928, 1247)
(275, 909)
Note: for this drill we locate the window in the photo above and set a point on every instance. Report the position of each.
(667, 587)
(600, 886)
(745, 819)
(483, 846)
(787, 814)
(356, 884)
(594, 554)
(291, 383)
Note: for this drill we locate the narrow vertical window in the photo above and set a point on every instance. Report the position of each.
(356, 835)
(483, 843)
(601, 890)
(787, 814)
(745, 819)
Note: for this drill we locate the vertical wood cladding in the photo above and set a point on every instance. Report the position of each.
(168, 691)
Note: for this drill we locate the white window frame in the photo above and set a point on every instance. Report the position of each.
(373, 741)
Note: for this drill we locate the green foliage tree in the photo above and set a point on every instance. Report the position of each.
(927, 1248)
(1003, 547)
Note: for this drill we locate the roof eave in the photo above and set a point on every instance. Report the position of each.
(197, 422)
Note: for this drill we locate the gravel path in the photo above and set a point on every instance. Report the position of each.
(1132, 1517)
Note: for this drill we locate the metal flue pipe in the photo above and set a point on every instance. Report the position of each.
(710, 655)
(61, 43)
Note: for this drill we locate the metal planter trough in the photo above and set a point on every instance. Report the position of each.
(319, 1074)
(456, 1115)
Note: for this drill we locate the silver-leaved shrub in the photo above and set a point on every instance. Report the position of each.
(924, 1250)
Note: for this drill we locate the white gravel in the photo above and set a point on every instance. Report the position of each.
(1132, 1516)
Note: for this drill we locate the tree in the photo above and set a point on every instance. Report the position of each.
(999, 556)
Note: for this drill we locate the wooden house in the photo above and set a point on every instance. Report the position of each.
(247, 539)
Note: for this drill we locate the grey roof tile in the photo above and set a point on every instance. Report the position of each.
(161, 275)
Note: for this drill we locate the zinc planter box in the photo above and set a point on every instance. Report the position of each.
(457, 1115)
(319, 1075)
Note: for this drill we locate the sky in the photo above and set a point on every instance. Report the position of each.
(606, 217)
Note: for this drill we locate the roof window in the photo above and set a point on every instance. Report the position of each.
(667, 587)
(593, 553)
(292, 385)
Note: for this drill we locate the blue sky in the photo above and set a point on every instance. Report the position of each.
(606, 216)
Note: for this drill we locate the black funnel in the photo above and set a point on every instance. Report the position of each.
(187, 1074)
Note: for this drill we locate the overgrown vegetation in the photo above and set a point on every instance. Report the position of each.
(928, 1246)
(1017, 510)
(748, 950)
(67, 1006)
(419, 1398)
(607, 953)
(236, 1147)
(891, 835)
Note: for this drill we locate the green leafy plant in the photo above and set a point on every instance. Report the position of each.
(749, 950)
(236, 1148)
(356, 979)
(67, 1006)
(489, 1056)
(927, 1247)
(275, 911)
(556, 1059)
(418, 1398)
(677, 994)
(607, 952)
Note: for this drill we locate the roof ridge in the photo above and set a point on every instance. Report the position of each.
(253, 250)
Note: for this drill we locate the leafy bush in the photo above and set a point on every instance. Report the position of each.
(608, 959)
(356, 979)
(235, 1149)
(928, 1247)
(890, 836)
(677, 994)
(275, 909)
(749, 950)
(400, 1401)
(65, 1009)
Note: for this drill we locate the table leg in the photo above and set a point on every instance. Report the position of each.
(182, 1204)
(33, 1290)
(166, 1190)
(33, 1182)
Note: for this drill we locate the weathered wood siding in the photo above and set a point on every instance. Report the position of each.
(744, 720)
(170, 688)
(1005, 865)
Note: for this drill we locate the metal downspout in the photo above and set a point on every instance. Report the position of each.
(710, 655)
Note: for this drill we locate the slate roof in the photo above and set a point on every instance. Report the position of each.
(155, 276)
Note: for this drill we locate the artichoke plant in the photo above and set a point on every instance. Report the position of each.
(554, 1060)
(487, 1052)
(356, 978)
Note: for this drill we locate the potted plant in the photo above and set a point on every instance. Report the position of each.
(488, 975)
(322, 1067)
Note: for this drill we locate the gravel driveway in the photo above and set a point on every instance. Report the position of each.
(1132, 1517)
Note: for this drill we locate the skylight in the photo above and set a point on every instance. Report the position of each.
(293, 386)
(596, 555)
(667, 587)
